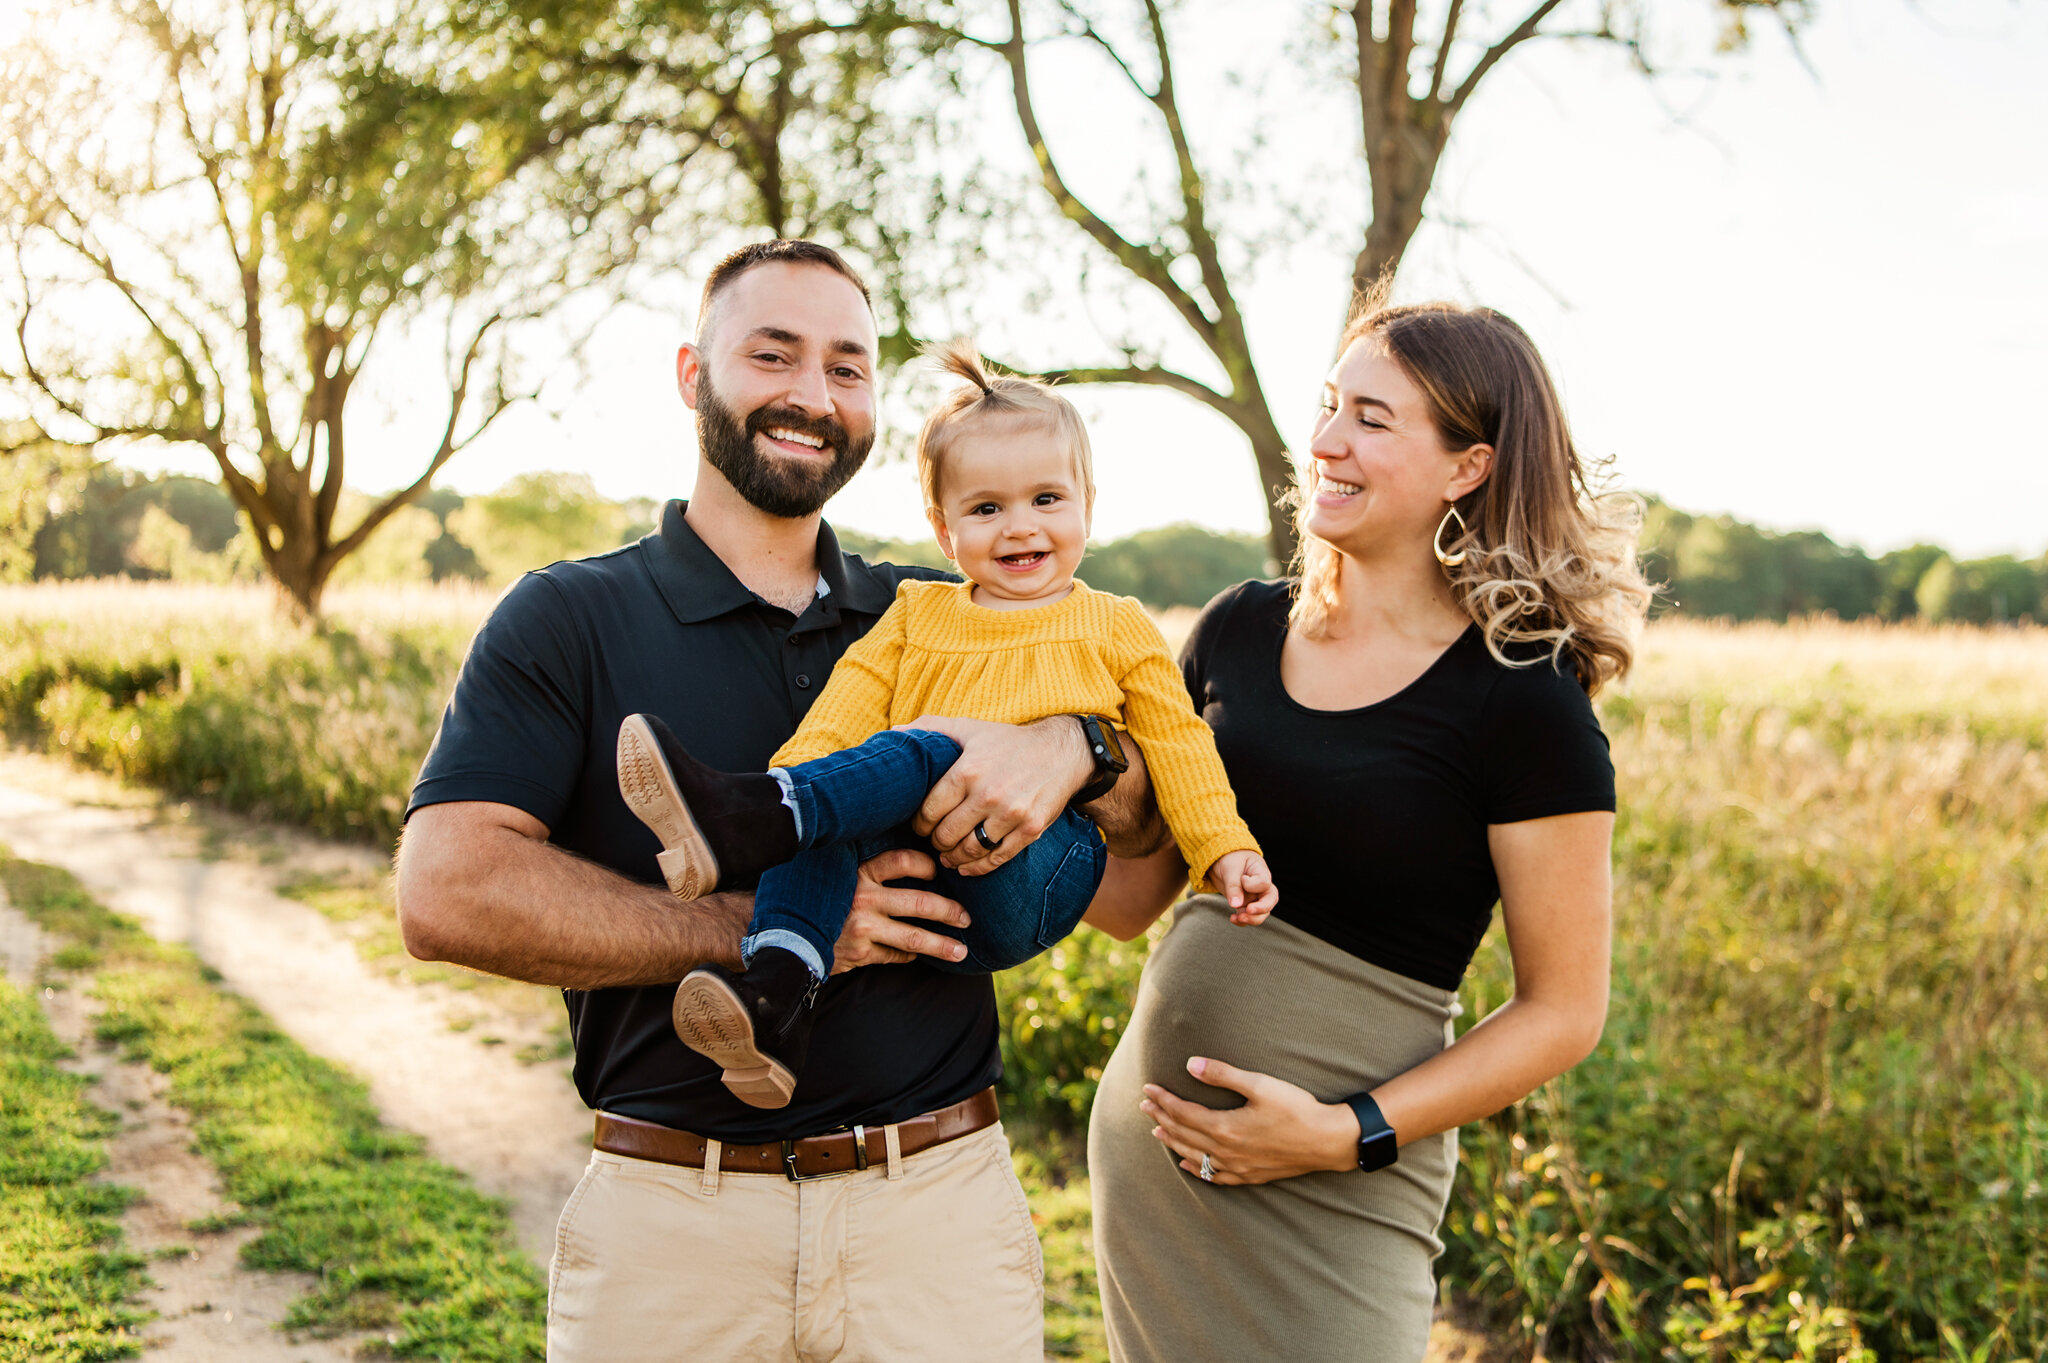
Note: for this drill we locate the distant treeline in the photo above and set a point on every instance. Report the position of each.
(1720, 566)
(83, 518)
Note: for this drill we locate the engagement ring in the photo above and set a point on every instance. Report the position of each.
(1208, 1174)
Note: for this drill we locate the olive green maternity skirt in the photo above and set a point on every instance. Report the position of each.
(1314, 1269)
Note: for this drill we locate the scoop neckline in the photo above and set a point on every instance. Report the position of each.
(966, 587)
(1280, 679)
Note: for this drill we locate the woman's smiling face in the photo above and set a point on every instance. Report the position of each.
(1382, 477)
(1013, 514)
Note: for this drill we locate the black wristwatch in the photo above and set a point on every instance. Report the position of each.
(1108, 752)
(1376, 1146)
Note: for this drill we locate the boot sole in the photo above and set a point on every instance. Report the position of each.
(712, 1021)
(651, 793)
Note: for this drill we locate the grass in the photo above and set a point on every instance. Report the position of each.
(400, 1244)
(1817, 1127)
(66, 1286)
(201, 689)
(1049, 1164)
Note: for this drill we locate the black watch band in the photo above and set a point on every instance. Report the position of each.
(1108, 752)
(1377, 1147)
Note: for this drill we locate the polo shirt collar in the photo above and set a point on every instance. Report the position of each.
(698, 586)
(856, 585)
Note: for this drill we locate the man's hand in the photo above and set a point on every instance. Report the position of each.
(876, 932)
(1246, 884)
(1011, 780)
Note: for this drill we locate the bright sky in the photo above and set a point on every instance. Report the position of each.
(1809, 298)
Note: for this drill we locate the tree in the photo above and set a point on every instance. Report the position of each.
(1173, 565)
(537, 519)
(1411, 78)
(1982, 591)
(203, 252)
(1900, 573)
(753, 115)
(37, 484)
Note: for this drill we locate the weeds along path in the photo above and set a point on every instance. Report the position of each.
(207, 1305)
(517, 1129)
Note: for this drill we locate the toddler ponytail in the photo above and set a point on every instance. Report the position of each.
(990, 394)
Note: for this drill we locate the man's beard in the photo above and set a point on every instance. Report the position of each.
(790, 488)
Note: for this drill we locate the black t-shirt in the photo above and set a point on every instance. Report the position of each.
(1374, 820)
(663, 627)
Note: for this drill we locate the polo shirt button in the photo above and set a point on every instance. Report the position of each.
(803, 681)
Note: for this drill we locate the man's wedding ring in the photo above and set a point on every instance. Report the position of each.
(981, 836)
(1208, 1173)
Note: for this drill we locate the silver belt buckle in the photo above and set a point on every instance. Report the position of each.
(860, 1157)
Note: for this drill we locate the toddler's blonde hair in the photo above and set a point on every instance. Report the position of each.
(985, 397)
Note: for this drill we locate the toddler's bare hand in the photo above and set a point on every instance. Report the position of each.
(1246, 884)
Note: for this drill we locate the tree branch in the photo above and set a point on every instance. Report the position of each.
(1443, 51)
(1152, 375)
(104, 265)
(449, 446)
(1228, 343)
(1400, 48)
(1521, 33)
(1148, 264)
(1090, 32)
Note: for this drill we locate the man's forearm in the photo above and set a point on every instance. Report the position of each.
(495, 899)
(1127, 814)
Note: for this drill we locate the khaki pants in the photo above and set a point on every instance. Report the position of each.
(933, 1259)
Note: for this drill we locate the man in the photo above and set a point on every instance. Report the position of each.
(691, 1236)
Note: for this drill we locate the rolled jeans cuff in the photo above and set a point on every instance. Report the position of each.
(789, 801)
(788, 941)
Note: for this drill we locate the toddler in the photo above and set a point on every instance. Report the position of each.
(1005, 468)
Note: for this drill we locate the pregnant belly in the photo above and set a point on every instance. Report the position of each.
(1277, 1000)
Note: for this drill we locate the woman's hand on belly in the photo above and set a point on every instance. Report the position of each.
(1282, 1131)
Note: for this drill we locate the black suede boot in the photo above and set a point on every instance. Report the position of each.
(756, 1026)
(714, 826)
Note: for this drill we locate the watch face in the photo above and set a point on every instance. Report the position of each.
(1378, 1150)
(1108, 752)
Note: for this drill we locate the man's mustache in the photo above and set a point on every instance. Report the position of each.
(788, 419)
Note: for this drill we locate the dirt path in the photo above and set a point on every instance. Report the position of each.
(518, 1130)
(209, 1308)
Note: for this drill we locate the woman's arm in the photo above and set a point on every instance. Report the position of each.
(1135, 891)
(1556, 892)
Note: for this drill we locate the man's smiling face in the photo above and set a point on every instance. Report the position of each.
(784, 386)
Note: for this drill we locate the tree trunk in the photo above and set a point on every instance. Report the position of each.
(1276, 481)
(1397, 213)
(301, 578)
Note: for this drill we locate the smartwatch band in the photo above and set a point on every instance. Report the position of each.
(1377, 1146)
(1108, 754)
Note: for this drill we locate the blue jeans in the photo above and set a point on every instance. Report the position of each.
(857, 804)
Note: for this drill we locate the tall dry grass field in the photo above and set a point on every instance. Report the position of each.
(211, 691)
(1818, 1124)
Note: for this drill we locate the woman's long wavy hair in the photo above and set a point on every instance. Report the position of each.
(1550, 559)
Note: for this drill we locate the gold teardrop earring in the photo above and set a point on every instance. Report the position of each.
(1437, 542)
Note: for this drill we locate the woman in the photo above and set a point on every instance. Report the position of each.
(1410, 734)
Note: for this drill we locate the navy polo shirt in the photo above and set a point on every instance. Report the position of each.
(663, 627)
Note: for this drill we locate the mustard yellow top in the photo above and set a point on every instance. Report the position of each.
(934, 652)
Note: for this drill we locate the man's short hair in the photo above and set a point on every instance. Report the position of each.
(781, 251)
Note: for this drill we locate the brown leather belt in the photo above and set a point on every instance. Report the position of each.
(838, 1152)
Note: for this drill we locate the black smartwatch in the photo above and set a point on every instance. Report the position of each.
(1376, 1145)
(1108, 752)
